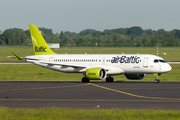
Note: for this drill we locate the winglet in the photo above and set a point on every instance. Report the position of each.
(19, 58)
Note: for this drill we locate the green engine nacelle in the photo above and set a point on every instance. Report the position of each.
(96, 73)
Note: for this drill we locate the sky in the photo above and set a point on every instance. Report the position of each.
(77, 15)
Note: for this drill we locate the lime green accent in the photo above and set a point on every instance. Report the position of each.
(93, 74)
(19, 58)
(39, 44)
(155, 74)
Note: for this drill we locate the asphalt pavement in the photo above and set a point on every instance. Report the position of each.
(124, 95)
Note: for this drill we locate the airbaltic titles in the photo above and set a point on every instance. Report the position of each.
(125, 59)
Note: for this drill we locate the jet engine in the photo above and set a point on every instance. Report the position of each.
(135, 76)
(95, 73)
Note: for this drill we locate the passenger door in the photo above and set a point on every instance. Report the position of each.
(51, 59)
(145, 62)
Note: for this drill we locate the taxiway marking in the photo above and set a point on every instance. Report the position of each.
(130, 94)
(42, 88)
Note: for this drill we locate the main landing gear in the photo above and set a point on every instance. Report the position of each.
(157, 78)
(85, 80)
(109, 79)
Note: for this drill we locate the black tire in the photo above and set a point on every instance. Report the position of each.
(112, 79)
(157, 81)
(109, 79)
(85, 80)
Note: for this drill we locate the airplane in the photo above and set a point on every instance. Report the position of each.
(95, 66)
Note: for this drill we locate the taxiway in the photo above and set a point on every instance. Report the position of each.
(125, 95)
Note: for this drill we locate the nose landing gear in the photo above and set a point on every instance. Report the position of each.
(157, 78)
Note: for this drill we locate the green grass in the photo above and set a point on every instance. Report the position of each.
(54, 113)
(172, 54)
(30, 72)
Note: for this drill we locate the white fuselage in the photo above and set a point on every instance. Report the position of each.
(115, 64)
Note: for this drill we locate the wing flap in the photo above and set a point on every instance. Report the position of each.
(62, 64)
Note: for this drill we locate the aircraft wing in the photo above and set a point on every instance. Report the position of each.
(63, 64)
(111, 70)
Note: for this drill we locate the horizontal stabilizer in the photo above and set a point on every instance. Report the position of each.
(19, 58)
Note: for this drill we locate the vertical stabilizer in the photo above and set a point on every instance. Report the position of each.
(39, 44)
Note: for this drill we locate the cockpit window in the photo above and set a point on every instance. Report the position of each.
(163, 61)
(159, 60)
(156, 61)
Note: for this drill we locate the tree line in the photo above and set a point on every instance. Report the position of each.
(122, 37)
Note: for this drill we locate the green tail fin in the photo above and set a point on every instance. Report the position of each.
(39, 44)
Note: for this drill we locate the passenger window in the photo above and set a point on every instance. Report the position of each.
(156, 61)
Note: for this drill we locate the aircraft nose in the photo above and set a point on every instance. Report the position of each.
(168, 68)
(165, 68)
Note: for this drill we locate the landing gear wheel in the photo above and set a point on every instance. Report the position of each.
(109, 79)
(85, 80)
(157, 81)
